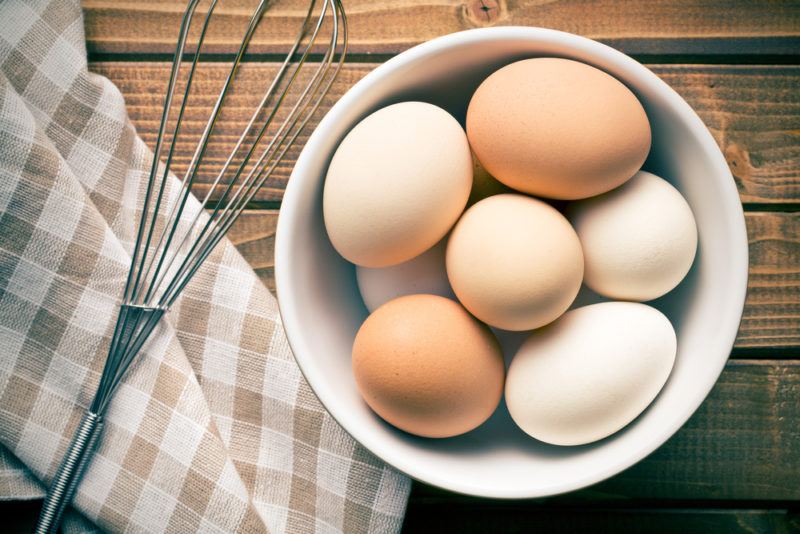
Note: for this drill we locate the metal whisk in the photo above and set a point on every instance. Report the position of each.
(168, 251)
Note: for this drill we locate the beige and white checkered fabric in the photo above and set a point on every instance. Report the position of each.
(215, 429)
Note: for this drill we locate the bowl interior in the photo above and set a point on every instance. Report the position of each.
(322, 310)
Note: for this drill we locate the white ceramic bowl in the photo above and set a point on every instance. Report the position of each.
(322, 310)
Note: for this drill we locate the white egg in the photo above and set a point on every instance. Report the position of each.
(591, 372)
(639, 240)
(425, 274)
(396, 185)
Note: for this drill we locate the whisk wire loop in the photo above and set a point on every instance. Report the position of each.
(134, 273)
(198, 238)
(231, 207)
(169, 248)
(186, 183)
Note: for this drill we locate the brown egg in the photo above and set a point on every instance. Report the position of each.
(428, 367)
(557, 128)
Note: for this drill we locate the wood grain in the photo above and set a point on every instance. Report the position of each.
(512, 519)
(753, 113)
(743, 443)
(253, 233)
(772, 311)
(502, 517)
(656, 27)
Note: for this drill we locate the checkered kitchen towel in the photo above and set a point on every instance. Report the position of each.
(214, 429)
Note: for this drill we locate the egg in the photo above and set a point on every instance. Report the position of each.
(426, 366)
(425, 274)
(591, 372)
(639, 241)
(514, 262)
(557, 128)
(396, 184)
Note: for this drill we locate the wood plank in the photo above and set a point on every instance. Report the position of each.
(743, 443)
(494, 516)
(753, 112)
(510, 519)
(253, 233)
(654, 27)
(772, 311)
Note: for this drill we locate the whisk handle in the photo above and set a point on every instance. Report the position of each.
(63, 487)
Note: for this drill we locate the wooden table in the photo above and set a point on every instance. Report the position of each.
(735, 466)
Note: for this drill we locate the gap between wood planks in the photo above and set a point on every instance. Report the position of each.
(661, 59)
(425, 495)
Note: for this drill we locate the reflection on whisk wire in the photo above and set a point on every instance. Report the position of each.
(171, 247)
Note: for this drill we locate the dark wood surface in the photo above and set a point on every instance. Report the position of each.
(735, 466)
(726, 27)
(509, 519)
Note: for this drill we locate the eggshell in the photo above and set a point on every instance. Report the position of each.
(639, 240)
(591, 372)
(397, 184)
(425, 274)
(426, 366)
(514, 262)
(557, 128)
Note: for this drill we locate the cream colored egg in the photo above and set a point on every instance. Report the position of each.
(397, 184)
(639, 241)
(514, 262)
(591, 372)
(425, 274)
(557, 128)
(426, 366)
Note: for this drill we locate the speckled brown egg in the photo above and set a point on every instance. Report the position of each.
(426, 366)
(557, 128)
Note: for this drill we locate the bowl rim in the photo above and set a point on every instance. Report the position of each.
(729, 201)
